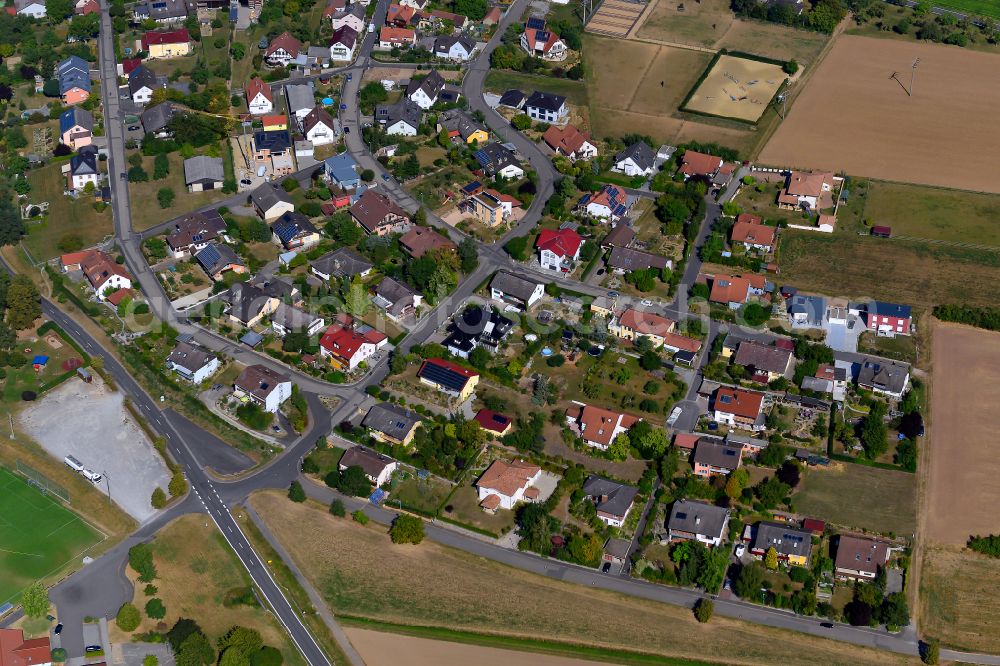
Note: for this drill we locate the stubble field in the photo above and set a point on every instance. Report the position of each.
(359, 572)
(854, 117)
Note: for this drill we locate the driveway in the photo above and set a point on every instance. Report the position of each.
(844, 336)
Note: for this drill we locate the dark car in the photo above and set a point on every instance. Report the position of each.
(607, 567)
(133, 128)
(826, 625)
(347, 130)
(600, 271)
(93, 648)
(58, 629)
(386, 177)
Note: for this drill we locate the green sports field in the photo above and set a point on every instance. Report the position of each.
(38, 535)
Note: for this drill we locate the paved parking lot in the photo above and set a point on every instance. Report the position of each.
(90, 423)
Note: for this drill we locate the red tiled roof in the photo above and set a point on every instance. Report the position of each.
(374, 337)
(398, 35)
(567, 139)
(646, 323)
(686, 440)
(284, 41)
(745, 404)
(599, 424)
(116, 298)
(699, 164)
(97, 266)
(74, 258)
(681, 342)
(813, 525)
(342, 342)
(507, 477)
(179, 36)
(493, 421)
(532, 36)
(257, 85)
(753, 233)
(400, 14)
(129, 65)
(562, 243)
(15, 651)
(493, 16)
(729, 289)
(418, 241)
(808, 184)
(276, 119)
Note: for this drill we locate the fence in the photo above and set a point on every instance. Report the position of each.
(42, 482)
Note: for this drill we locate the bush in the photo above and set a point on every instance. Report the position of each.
(159, 498)
(930, 651)
(296, 493)
(337, 508)
(368, 175)
(165, 197)
(359, 516)
(58, 655)
(407, 529)
(128, 618)
(290, 184)
(703, 610)
(150, 590)
(155, 609)
(555, 361)
(267, 656)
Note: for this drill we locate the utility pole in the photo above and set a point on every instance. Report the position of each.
(108, 479)
(913, 71)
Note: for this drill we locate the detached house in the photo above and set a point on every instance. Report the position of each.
(352, 17)
(765, 361)
(734, 291)
(598, 427)
(379, 215)
(504, 484)
(318, 127)
(714, 458)
(16, 651)
(141, 84)
(418, 241)
(546, 107)
(558, 250)
(449, 378)
(636, 160)
(103, 274)
(494, 422)
(76, 127)
(803, 189)
(613, 500)
(610, 203)
(400, 119)
(461, 128)
(490, 207)
(540, 42)
(516, 290)
(390, 37)
(167, 43)
(378, 468)
(633, 324)
(697, 521)
(345, 348)
(74, 79)
(272, 150)
(203, 173)
(625, 260)
(793, 545)
(294, 231)
(287, 319)
(570, 141)
(217, 259)
(886, 319)
(424, 92)
(738, 408)
(82, 169)
(341, 170)
(884, 377)
(499, 161)
(752, 233)
(454, 47)
(263, 386)
(248, 304)
(33, 8)
(282, 50)
(192, 363)
(859, 557)
(699, 165)
(260, 99)
(391, 423)
(300, 98)
(397, 299)
(342, 43)
(194, 231)
(156, 120)
(341, 263)
(271, 201)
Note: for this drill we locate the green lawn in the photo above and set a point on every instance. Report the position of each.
(66, 217)
(422, 495)
(38, 535)
(574, 91)
(327, 459)
(860, 497)
(26, 378)
(465, 509)
(934, 213)
(979, 7)
(146, 211)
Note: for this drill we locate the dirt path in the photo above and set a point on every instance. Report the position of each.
(384, 649)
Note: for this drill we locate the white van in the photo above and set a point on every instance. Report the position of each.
(93, 477)
(75, 464)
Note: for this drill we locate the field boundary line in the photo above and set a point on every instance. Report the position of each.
(676, 45)
(948, 243)
(645, 71)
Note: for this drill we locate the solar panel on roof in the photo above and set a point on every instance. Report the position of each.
(535, 23)
(681, 515)
(197, 237)
(497, 418)
(209, 256)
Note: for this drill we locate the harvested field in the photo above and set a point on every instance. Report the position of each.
(860, 497)
(360, 572)
(700, 23)
(962, 489)
(615, 18)
(737, 88)
(912, 272)
(945, 115)
(960, 598)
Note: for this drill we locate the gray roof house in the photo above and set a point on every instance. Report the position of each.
(401, 118)
(639, 155)
(217, 258)
(203, 173)
(806, 311)
(697, 521)
(763, 358)
(342, 262)
(271, 201)
(613, 500)
(396, 298)
(391, 423)
(377, 467)
(301, 99)
(515, 289)
(789, 542)
(457, 120)
(885, 377)
(288, 319)
(156, 119)
(626, 260)
(248, 303)
(192, 363)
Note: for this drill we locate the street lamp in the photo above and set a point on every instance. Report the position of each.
(108, 479)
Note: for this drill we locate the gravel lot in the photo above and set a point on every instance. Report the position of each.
(90, 423)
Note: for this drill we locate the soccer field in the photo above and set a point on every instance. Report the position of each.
(38, 535)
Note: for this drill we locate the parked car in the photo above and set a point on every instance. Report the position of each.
(607, 567)
(93, 648)
(58, 629)
(726, 585)
(386, 177)
(740, 549)
(826, 625)
(674, 415)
